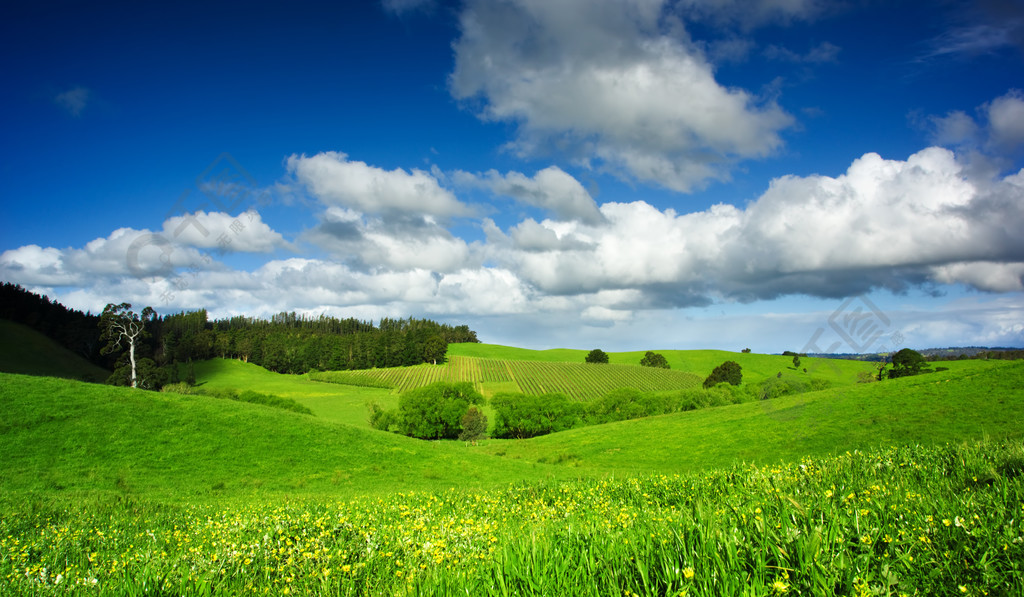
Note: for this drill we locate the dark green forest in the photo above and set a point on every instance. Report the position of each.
(285, 343)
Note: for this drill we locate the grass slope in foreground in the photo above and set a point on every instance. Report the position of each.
(66, 438)
(936, 521)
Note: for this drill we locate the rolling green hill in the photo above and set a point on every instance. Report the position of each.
(333, 402)
(67, 438)
(981, 399)
(24, 350)
(756, 367)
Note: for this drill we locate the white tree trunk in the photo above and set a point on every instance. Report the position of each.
(131, 357)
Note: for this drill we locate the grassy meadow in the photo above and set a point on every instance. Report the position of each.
(912, 486)
(24, 350)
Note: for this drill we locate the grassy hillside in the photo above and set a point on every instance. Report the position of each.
(24, 350)
(63, 437)
(756, 367)
(333, 402)
(983, 399)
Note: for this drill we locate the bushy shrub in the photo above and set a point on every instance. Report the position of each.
(256, 398)
(435, 411)
(380, 418)
(520, 416)
(597, 356)
(617, 405)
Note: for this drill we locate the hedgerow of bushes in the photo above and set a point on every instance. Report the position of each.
(521, 416)
(241, 396)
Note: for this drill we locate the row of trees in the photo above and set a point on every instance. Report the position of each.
(144, 349)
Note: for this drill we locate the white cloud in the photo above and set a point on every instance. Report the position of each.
(884, 223)
(218, 230)
(972, 40)
(126, 252)
(609, 83)
(396, 243)
(953, 129)
(927, 221)
(335, 180)
(142, 254)
(998, 132)
(1006, 120)
(551, 189)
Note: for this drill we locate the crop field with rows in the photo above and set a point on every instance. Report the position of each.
(579, 381)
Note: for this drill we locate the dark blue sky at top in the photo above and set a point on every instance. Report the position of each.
(164, 89)
(172, 86)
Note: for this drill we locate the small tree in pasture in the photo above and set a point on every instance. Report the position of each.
(597, 356)
(474, 425)
(728, 372)
(654, 359)
(906, 362)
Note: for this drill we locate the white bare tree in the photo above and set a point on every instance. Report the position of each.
(120, 326)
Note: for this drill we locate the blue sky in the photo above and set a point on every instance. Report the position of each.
(798, 175)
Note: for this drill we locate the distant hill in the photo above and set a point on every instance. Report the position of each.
(756, 367)
(24, 350)
(929, 353)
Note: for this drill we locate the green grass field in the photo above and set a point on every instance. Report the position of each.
(983, 399)
(23, 350)
(904, 487)
(64, 438)
(333, 402)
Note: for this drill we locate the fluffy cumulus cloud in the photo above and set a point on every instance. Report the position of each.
(1006, 121)
(617, 85)
(124, 253)
(551, 189)
(998, 130)
(336, 180)
(218, 230)
(183, 244)
(882, 224)
(930, 220)
(394, 243)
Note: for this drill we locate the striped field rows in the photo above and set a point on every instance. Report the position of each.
(579, 381)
